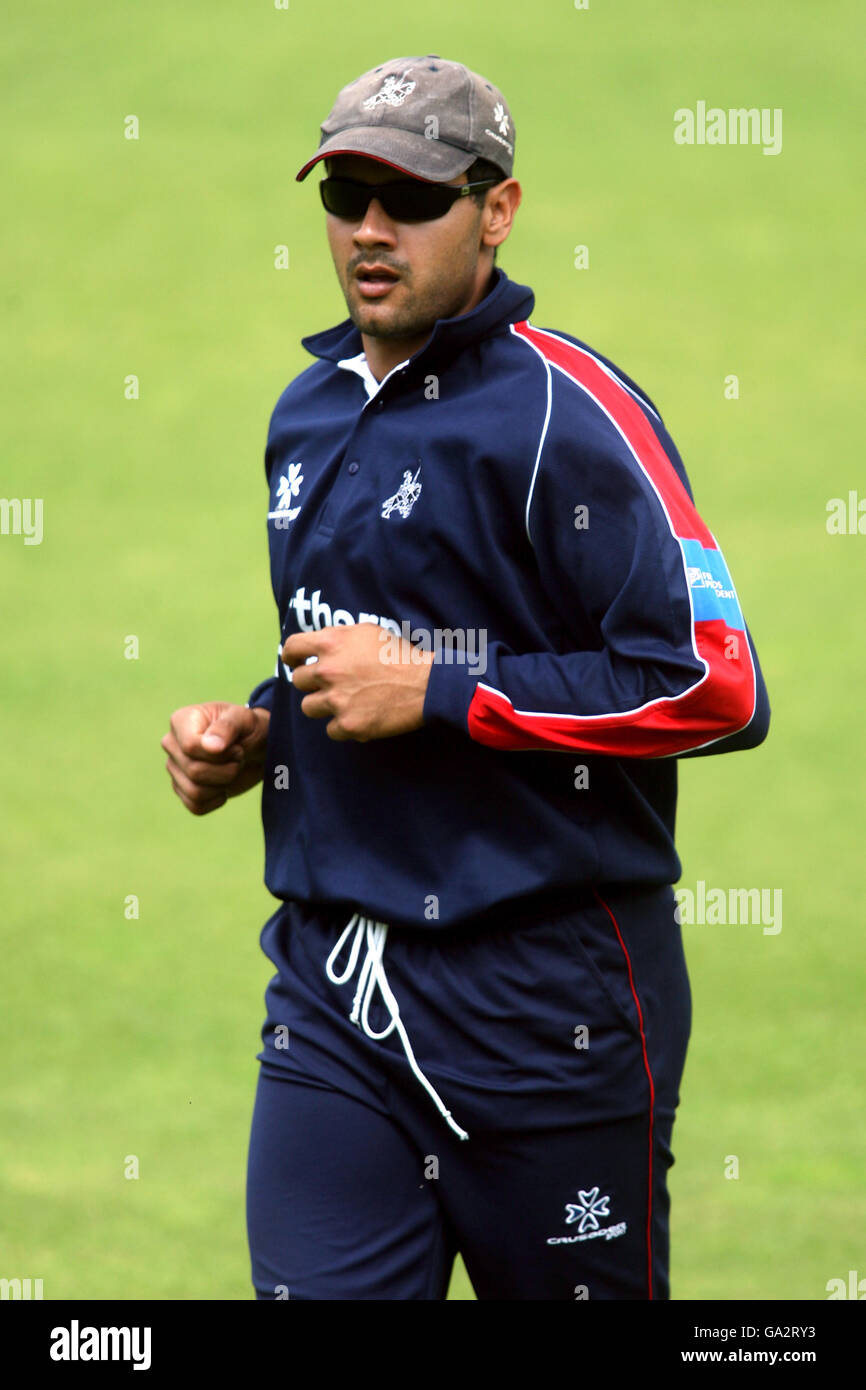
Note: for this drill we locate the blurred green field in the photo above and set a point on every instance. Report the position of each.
(155, 257)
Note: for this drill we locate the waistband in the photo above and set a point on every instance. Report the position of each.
(366, 931)
(517, 914)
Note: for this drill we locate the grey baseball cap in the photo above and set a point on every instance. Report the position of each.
(427, 116)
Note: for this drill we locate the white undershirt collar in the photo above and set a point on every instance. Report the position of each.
(360, 365)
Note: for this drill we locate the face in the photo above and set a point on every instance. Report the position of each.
(436, 268)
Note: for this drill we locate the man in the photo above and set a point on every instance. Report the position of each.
(502, 620)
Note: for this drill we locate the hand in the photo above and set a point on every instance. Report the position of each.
(366, 681)
(215, 751)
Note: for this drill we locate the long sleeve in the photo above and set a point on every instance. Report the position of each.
(658, 661)
(263, 695)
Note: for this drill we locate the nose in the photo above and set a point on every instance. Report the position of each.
(376, 227)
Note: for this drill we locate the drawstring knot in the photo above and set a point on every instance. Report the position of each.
(373, 977)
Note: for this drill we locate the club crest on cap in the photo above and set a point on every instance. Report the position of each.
(393, 92)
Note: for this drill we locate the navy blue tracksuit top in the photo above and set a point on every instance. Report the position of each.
(512, 501)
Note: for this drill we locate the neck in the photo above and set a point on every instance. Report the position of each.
(383, 354)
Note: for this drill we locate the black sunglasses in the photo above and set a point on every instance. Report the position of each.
(404, 201)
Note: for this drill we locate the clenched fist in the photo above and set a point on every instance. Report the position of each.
(215, 751)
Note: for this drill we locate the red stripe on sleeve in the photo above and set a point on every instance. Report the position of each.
(719, 703)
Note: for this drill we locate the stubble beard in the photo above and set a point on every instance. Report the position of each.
(417, 316)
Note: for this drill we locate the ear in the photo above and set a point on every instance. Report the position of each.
(499, 212)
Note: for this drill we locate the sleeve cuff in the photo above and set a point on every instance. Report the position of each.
(263, 695)
(450, 689)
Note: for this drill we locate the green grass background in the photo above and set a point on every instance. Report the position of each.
(155, 257)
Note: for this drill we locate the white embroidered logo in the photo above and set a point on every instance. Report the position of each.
(500, 117)
(290, 486)
(393, 92)
(405, 497)
(587, 1211)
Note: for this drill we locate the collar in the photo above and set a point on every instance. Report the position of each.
(506, 302)
(360, 365)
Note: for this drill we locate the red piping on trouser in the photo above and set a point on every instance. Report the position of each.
(651, 1091)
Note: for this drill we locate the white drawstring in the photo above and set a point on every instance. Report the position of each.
(373, 975)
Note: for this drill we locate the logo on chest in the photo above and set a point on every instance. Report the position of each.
(406, 495)
(289, 487)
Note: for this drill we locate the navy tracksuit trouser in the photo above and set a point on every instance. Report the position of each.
(556, 1043)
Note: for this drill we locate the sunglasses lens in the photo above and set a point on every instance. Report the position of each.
(343, 199)
(405, 202)
(416, 202)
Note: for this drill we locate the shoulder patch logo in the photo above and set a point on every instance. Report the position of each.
(393, 92)
(713, 595)
(406, 495)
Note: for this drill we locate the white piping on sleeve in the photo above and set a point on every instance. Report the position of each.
(543, 435)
